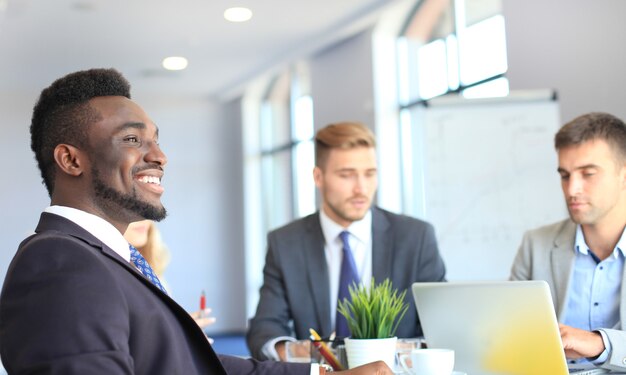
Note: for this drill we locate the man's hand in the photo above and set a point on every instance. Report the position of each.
(280, 349)
(203, 318)
(374, 368)
(579, 343)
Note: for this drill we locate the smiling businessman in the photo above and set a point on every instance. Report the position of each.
(104, 310)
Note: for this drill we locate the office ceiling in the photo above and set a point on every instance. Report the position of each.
(41, 40)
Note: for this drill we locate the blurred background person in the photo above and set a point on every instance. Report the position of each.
(146, 237)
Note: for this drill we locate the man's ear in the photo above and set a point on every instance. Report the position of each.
(318, 176)
(69, 159)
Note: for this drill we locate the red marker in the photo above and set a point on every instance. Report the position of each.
(202, 302)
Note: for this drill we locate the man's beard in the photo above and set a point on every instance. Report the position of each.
(113, 201)
(345, 214)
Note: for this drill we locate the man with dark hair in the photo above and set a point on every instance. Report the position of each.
(582, 258)
(308, 258)
(77, 298)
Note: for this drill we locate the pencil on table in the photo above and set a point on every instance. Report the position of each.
(325, 351)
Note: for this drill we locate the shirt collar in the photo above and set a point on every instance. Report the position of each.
(621, 244)
(361, 229)
(581, 246)
(97, 226)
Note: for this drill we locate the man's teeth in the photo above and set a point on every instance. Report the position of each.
(150, 180)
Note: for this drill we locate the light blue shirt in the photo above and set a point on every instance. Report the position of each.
(595, 288)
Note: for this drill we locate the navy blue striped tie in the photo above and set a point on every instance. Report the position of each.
(140, 262)
(347, 277)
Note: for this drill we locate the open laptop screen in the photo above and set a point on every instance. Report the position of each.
(503, 327)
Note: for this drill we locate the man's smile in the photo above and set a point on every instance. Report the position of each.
(151, 182)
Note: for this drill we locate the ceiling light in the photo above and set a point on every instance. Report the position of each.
(237, 14)
(175, 63)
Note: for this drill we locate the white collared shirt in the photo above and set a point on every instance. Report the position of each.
(361, 245)
(97, 226)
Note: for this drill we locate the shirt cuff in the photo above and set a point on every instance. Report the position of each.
(607, 349)
(269, 348)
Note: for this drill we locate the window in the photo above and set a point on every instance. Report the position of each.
(275, 137)
(287, 150)
(303, 156)
(450, 46)
(447, 46)
(279, 165)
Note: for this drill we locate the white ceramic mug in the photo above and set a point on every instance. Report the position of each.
(428, 361)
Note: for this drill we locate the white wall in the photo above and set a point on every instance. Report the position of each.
(342, 82)
(22, 195)
(573, 46)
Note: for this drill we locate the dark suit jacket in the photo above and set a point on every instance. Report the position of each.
(295, 287)
(71, 305)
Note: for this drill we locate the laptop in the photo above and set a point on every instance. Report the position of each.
(495, 328)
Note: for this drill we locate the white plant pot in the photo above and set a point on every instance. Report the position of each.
(362, 351)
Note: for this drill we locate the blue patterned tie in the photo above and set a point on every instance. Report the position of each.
(144, 267)
(348, 276)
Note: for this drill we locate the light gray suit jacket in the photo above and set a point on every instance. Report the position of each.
(547, 253)
(295, 294)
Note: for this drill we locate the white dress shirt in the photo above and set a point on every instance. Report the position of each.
(97, 226)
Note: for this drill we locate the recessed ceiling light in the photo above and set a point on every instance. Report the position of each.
(237, 14)
(175, 63)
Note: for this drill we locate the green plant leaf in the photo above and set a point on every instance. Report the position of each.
(373, 312)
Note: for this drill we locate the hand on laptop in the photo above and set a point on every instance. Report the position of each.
(579, 343)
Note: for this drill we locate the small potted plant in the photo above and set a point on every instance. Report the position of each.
(373, 315)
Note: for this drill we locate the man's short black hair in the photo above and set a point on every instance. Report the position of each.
(62, 114)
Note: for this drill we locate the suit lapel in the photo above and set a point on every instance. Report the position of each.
(562, 261)
(317, 269)
(115, 257)
(183, 316)
(110, 253)
(58, 223)
(382, 245)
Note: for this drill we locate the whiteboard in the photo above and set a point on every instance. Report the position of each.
(487, 173)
